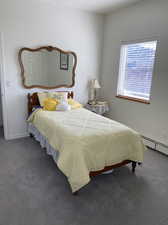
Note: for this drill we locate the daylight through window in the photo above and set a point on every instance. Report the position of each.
(136, 70)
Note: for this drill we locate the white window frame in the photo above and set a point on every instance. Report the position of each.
(122, 66)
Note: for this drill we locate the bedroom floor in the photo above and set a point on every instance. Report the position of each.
(33, 191)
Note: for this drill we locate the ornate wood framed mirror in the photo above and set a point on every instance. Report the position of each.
(47, 67)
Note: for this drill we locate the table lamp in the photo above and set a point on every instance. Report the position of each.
(95, 85)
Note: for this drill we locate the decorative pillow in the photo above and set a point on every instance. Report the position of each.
(42, 96)
(74, 104)
(58, 95)
(63, 106)
(50, 104)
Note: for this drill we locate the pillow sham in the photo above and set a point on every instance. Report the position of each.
(74, 104)
(50, 104)
(41, 97)
(58, 95)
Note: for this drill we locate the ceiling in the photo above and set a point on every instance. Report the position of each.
(98, 6)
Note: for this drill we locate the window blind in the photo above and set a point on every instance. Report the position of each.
(136, 69)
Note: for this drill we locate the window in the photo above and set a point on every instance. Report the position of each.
(136, 69)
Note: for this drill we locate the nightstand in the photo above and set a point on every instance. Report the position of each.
(99, 108)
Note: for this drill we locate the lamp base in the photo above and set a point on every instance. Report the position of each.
(92, 102)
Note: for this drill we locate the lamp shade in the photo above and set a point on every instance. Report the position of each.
(95, 84)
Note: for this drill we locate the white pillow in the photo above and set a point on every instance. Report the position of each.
(63, 106)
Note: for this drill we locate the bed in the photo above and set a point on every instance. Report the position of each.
(82, 143)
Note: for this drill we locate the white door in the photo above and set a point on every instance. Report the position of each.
(1, 121)
(3, 116)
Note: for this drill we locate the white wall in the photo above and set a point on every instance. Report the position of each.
(146, 19)
(24, 23)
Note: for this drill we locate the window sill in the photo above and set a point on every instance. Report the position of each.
(133, 99)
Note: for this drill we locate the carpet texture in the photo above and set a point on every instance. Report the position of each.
(34, 192)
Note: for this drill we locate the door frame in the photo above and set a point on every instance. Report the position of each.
(3, 94)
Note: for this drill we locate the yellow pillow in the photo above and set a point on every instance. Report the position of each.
(74, 104)
(50, 104)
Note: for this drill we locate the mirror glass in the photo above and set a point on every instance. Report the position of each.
(47, 68)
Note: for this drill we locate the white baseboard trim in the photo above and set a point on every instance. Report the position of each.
(155, 145)
(17, 136)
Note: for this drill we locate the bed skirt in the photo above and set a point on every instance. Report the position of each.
(43, 142)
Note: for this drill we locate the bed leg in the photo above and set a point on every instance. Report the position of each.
(31, 135)
(75, 193)
(133, 166)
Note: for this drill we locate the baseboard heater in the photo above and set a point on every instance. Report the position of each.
(156, 145)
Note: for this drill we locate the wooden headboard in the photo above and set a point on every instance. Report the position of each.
(33, 100)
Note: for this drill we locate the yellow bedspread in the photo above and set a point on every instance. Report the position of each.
(87, 142)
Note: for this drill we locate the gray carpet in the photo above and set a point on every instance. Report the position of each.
(34, 192)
